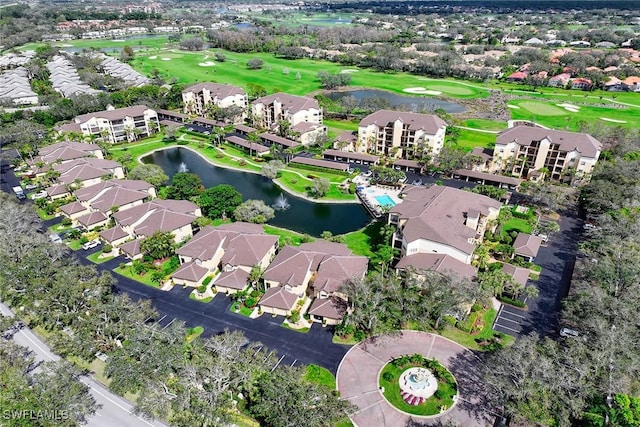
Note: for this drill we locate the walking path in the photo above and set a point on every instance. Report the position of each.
(357, 380)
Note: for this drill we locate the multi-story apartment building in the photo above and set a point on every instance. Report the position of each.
(401, 134)
(117, 125)
(201, 97)
(560, 155)
(442, 220)
(269, 110)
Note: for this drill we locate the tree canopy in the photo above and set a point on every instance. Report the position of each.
(185, 186)
(153, 174)
(219, 201)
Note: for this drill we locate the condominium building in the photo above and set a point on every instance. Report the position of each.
(401, 134)
(269, 110)
(117, 125)
(560, 155)
(201, 97)
(442, 220)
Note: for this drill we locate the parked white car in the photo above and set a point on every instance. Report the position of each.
(39, 195)
(92, 244)
(569, 333)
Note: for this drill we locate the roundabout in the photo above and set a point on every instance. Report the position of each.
(413, 376)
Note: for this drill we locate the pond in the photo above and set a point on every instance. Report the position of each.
(404, 102)
(302, 215)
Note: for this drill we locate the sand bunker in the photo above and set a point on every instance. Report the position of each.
(207, 64)
(153, 57)
(348, 71)
(572, 110)
(514, 107)
(612, 120)
(568, 106)
(421, 91)
(166, 59)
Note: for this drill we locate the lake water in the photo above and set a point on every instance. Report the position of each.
(303, 216)
(404, 102)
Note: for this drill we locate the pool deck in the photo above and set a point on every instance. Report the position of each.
(368, 196)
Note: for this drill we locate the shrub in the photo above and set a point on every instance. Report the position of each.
(219, 155)
(183, 142)
(387, 376)
(440, 394)
(83, 240)
(66, 221)
(254, 293)
(293, 181)
(202, 288)
(106, 248)
(352, 188)
(359, 335)
(206, 281)
(295, 316)
(310, 176)
(251, 302)
(157, 276)
(242, 162)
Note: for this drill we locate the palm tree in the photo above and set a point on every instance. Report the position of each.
(252, 137)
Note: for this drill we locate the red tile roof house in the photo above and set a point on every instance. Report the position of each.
(326, 266)
(526, 246)
(518, 76)
(233, 249)
(559, 80)
(581, 84)
(441, 220)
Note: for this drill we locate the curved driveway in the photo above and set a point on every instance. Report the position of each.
(358, 372)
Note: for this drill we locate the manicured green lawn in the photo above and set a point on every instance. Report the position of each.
(470, 139)
(549, 114)
(287, 235)
(484, 124)
(319, 375)
(301, 330)
(95, 258)
(193, 333)
(469, 340)
(244, 311)
(336, 127)
(392, 392)
(202, 300)
(453, 88)
(74, 244)
(127, 271)
(517, 224)
(361, 242)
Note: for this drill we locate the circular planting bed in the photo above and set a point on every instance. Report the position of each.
(418, 386)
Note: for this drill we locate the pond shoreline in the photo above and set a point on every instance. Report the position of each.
(275, 181)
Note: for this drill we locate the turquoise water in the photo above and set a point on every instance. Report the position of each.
(385, 200)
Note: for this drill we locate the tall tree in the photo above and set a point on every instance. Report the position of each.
(159, 245)
(153, 174)
(220, 201)
(185, 186)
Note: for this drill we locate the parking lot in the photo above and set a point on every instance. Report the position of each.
(509, 320)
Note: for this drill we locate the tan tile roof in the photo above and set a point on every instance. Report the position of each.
(217, 90)
(269, 137)
(234, 279)
(335, 270)
(190, 271)
(91, 219)
(72, 208)
(527, 245)
(584, 143)
(350, 155)
(247, 250)
(438, 213)
(203, 245)
(116, 114)
(163, 220)
(291, 103)
(437, 262)
(331, 308)
(278, 297)
(131, 248)
(57, 189)
(519, 274)
(289, 267)
(427, 122)
(113, 234)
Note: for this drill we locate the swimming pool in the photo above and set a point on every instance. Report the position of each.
(385, 200)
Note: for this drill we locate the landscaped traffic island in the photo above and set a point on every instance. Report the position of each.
(418, 386)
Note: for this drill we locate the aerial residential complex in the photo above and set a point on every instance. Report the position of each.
(269, 110)
(198, 99)
(116, 125)
(442, 220)
(400, 134)
(524, 149)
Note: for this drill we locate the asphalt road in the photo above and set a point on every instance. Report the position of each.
(293, 348)
(114, 410)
